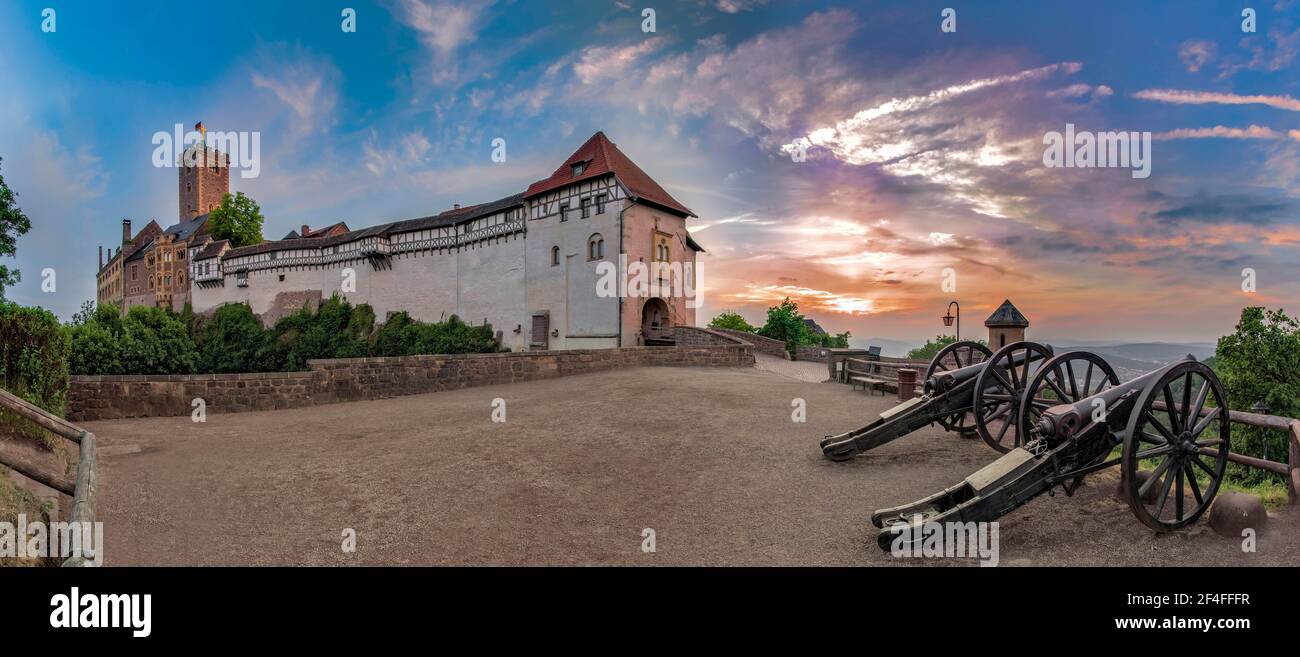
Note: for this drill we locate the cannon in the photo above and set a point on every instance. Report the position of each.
(968, 390)
(1171, 428)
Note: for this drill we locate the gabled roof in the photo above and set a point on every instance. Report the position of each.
(139, 253)
(293, 235)
(600, 157)
(814, 326)
(212, 250)
(184, 230)
(1007, 315)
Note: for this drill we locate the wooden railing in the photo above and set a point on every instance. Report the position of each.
(1290, 470)
(26, 460)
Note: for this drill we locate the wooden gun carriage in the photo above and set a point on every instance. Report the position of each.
(968, 390)
(1171, 428)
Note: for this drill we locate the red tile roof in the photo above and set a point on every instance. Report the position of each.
(603, 157)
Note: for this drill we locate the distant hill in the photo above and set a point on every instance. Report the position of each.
(1135, 359)
(893, 348)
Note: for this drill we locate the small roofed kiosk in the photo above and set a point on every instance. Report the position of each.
(1006, 325)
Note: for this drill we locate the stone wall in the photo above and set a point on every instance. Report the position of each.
(815, 354)
(336, 380)
(761, 344)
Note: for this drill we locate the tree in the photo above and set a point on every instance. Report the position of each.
(784, 323)
(238, 219)
(730, 319)
(13, 223)
(1260, 362)
(933, 347)
(837, 341)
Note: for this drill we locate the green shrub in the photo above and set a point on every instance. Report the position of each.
(34, 356)
(232, 341)
(155, 341)
(730, 319)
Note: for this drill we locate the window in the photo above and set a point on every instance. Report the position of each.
(180, 254)
(134, 271)
(187, 187)
(585, 204)
(555, 256)
(564, 212)
(578, 168)
(600, 204)
(180, 279)
(595, 247)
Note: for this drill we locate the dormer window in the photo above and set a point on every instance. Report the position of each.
(577, 168)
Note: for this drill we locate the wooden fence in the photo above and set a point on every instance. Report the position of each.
(27, 461)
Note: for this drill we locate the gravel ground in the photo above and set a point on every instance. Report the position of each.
(708, 458)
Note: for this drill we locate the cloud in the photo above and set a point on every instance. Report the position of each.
(599, 63)
(1258, 210)
(306, 84)
(1195, 53)
(870, 136)
(1185, 97)
(737, 6)
(1081, 91)
(1218, 131)
(443, 27)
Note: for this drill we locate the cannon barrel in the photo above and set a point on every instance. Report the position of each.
(942, 382)
(1062, 420)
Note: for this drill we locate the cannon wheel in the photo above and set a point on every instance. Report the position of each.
(953, 357)
(998, 390)
(1065, 379)
(1166, 426)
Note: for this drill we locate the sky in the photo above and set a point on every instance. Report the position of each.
(852, 156)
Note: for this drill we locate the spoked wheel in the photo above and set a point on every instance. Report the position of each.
(998, 391)
(954, 357)
(1065, 379)
(1168, 435)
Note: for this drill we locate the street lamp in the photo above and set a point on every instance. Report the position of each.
(948, 318)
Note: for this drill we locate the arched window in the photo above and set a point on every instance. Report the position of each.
(555, 255)
(595, 247)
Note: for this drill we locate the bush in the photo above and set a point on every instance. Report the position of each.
(147, 341)
(34, 356)
(730, 319)
(230, 341)
(1260, 361)
(403, 336)
(156, 341)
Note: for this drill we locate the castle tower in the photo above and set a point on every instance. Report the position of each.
(1006, 325)
(204, 178)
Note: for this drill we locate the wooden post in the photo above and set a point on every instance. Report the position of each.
(1293, 480)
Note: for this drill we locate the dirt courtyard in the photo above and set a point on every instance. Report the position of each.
(706, 457)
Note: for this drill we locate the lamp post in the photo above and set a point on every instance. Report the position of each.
(949, 317)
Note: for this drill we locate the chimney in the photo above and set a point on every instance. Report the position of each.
(126, 231)
(306, 230)
(455, 206)
(101, 256)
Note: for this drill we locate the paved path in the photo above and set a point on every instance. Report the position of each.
(800, 370)
(707, 457)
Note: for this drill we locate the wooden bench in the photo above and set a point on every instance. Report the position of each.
(869, 383)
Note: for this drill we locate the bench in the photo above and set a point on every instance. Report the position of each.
(869, 383)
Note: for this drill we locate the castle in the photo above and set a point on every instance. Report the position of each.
(529, 264)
